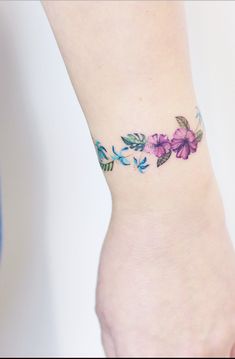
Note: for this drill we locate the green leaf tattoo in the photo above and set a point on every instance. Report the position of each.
(163, 159)
(106, 167)
(199, 135)
(183, 122)
(135, 141)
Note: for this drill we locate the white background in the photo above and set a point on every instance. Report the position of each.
(56, 205)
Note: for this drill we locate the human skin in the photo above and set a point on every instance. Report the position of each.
(166, 284)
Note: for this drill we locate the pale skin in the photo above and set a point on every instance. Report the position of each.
(166, 285)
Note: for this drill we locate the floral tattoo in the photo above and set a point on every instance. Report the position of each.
(183, 143)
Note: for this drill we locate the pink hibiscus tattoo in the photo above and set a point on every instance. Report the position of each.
(158, 145)
(184, 143)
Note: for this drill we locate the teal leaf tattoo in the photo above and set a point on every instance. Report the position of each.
(118, 156)
(101, 151)
(135, 141)
(199, 135)
(141, 164)
(163, 159)
(106, 167)
(183, 122)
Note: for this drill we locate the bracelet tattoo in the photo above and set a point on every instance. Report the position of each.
(183, 143)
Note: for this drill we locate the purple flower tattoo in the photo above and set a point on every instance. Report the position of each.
(183, 143)
(158, 145)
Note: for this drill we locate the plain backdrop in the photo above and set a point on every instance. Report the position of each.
(56, 204)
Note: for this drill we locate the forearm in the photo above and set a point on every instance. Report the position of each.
(129, 65)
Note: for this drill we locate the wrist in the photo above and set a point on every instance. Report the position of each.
(196, 206)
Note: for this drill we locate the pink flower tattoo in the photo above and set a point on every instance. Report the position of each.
(184, 143)
(158, 145)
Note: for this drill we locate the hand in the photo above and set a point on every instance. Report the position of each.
(168, 292)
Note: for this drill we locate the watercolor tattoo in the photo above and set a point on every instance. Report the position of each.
(183, 143)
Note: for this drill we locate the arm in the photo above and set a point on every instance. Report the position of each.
(166, 280)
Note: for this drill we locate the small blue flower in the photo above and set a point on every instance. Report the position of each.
(141, 164)
(119, 156)
(101, 151)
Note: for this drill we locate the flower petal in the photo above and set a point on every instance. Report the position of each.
(180, 133)
(193, 146)
(159, 151)
(176, 143)
(183, 152)
(190, 136)
(153, 139)
(167, 146)
(149, 148)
